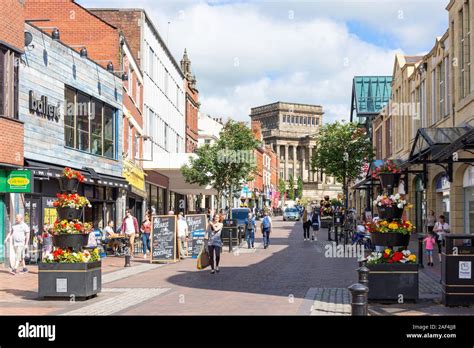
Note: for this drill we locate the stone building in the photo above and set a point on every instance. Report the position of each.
(289, 129)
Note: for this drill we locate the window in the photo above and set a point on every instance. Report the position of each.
(465, 50)
(447, 84)
(317, 121)
(138, 99)
(165, 88)
(130, 142)
(378, 139)
(136, 146)
(130, 84)
(433, 98)
(441, 91)
(423, 105)
(388, 139)
(89, 124)
(8, 84)
(151, 63)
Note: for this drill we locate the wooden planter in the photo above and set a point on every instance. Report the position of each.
(73, 241)
(389, 181)
(390, 239)
(68, 185)
(390, 213)
(69, 213)
(393, 282)
(81, 280)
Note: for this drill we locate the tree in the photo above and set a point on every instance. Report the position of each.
(299, 188)
(291, 188)
(341, 151)
(282, 190)
(228, 163)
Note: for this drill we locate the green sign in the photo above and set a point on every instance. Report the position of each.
(15, 181)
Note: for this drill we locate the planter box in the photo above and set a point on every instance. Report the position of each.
(68, 185)
(390, 239)
(390, 213)
(69, 213)
(83, 280)
(74, 241)
(389, 181)
(388, 281)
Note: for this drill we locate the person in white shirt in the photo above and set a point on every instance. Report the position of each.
(182, 235)
(19, 235)
(130, 229)
(441, 228)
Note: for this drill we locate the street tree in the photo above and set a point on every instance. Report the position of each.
(282, 190)
(291, 188)
(341, 151)
(299, 188)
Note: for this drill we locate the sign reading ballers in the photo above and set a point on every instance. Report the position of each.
(43, 108)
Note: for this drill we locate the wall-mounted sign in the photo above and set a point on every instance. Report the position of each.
(15, 181)
(43, 108)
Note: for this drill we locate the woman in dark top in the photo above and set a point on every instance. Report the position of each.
(215, 242)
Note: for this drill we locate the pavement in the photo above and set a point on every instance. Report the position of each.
(291, 277)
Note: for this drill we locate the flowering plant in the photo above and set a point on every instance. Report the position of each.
(71, 200)
(66, 256)
(388, 168)
(73, 174)
(391, 256)
(396, 200)
(71, 227)
(395, 226)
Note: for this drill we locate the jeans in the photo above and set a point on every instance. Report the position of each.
(266, 237)
(146, 242)
(306, 225)
(217, 250)
(250, 237)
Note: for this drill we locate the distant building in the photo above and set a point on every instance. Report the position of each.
(192, 104)
(288, 128)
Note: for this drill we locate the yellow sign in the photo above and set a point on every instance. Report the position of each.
(134, 175)
(18, 181)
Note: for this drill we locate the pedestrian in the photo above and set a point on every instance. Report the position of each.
(441, 228)
(183, 231)
(266, 227)
(429, 241)
(130, 229)
(306, 223)
(250, 225)
(430, 221)
(109, 235)
(46, 240)
(146, 230)
(215, 243)
(19, 236)
(315, 223)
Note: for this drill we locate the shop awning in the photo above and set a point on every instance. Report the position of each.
(46, 170)
(438, 144)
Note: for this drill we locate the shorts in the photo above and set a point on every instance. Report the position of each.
(429, 252)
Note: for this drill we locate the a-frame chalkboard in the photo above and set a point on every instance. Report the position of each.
(163, 239)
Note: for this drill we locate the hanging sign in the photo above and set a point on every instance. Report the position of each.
(15, 181)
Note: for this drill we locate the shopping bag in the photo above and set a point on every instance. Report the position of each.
(203, 260)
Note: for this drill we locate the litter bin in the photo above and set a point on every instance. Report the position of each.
(456, 270)
(230, 232)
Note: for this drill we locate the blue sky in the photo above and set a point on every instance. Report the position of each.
(250, 53)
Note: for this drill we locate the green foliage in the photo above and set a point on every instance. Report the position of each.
(281, 187)
(299, 188)
(341, 151)
(291, 188)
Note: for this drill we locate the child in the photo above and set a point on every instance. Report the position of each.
(430, 242)
(46, 240)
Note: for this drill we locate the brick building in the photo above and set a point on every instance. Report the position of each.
(12, 43)
(192, 104)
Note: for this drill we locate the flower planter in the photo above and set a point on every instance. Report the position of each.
(69, 213)
(81, 280)
(68, 185)
(74, 241)
(326, 221)
(389, 181)
(390, 239)
(390, 213)
(393, 282)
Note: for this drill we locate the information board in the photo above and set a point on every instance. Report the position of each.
(163, 238)
(197, 224)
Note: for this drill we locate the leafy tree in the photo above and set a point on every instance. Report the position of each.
(299, 188)
(341, 151)
(228, 163)
(291, 188)
(282, 189)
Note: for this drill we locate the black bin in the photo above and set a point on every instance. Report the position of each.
(456, 270)
(230, 229)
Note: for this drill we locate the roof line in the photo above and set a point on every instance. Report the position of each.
(320, 106)
(88, 11)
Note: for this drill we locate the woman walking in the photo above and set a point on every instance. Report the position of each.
(441, 228)
(146, 230)
(306, 223)
(250, 226)
(430, 221)
(215, 243)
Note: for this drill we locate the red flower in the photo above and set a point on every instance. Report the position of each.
(397, 256)
(77, 226)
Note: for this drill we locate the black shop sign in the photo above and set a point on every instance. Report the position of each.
(42, 107)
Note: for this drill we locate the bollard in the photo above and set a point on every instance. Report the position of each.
(362, 262)
(363, 275)
(359, 304)
(420, 249)
(127, 256)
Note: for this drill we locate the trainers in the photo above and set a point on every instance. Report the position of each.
(217, 269)
(144, 256)
(24, 270)
(13, 272)
(212, 272)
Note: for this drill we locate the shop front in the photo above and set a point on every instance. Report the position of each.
(136, 196)
(156, 188)
(468, 186)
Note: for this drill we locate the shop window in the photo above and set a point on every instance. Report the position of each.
(69, 117)
(109, 130)
(82, 122)
(96, 127)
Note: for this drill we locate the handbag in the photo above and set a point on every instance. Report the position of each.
(203, 259)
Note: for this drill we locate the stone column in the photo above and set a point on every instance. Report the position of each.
(303, 163)
(295, 161)
(278, 151)
(286, 162)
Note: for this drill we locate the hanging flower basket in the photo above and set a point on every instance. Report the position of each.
(390, 213)
(66, 213)
(72, 241)
(389, 181)
(68, 185)
(390, 239)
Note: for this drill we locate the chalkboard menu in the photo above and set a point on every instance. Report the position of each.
(163, 238)
(197, 224)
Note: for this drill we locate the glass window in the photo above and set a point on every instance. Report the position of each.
(82, 122)
(69, 114)
(154, 197)
(8, 83)
(151, 62)
(109, 132)
(96, 127)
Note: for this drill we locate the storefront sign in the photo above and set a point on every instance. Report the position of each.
(135, 176)
(41, 107)
(465, 270)
(15, 181)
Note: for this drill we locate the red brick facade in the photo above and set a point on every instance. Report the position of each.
(11, 145)
(78, 26)
(12, 24)
(192, 109)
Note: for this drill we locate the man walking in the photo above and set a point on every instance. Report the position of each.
(130, 228)
(20, 235)
(266, 229)
(183, 231)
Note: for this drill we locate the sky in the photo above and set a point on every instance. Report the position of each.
(248, 53)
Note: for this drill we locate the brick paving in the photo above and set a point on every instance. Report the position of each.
(331, 301)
